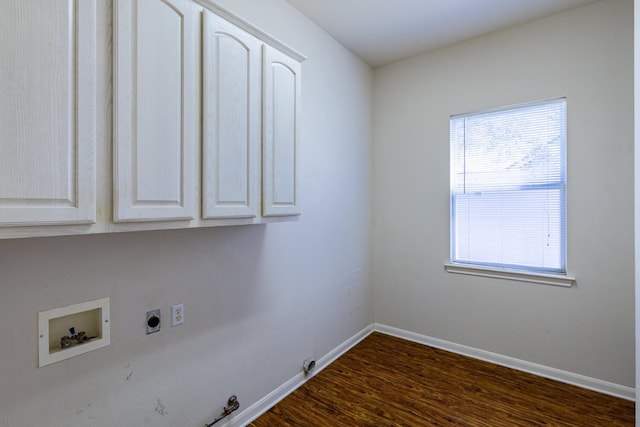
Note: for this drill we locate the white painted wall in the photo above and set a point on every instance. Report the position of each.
(586, 55)
(258, 299)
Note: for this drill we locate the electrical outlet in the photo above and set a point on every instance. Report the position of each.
(177, 314)
(153, 321)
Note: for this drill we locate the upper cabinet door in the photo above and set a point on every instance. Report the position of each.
(155, 101)
(47, 112)
(281, 103)
(231, 120)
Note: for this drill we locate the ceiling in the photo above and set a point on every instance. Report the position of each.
(385, 31)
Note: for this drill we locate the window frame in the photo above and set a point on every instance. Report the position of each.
(541, 275)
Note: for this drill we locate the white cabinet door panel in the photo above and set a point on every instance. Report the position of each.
(47, 112)
(281, 103)
(155, 100)
(231, 120)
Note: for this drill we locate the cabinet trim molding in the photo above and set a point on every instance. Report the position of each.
(248, 27)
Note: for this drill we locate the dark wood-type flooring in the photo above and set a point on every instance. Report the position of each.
(386, 381)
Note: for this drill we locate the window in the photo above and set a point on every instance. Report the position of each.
(508, 188)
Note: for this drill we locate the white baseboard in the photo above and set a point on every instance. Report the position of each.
(263, 405)
(594, 384)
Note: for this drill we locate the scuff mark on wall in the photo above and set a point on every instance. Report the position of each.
(160, 408)
(80, 411)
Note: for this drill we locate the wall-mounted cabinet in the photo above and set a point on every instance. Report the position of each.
(205, 118)
(231, 120)
(281, 77)
(47, 112)
(155, 99)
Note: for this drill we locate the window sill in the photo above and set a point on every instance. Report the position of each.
(518, 275)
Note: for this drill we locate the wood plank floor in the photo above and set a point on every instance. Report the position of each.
(386, 381)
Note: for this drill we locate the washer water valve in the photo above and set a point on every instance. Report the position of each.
(79, 338)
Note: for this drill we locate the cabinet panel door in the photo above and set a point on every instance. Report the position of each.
(231, 120)
(47, 112)
(281, 103)
(154, 109)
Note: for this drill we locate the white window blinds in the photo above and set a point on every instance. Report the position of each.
(508, 184)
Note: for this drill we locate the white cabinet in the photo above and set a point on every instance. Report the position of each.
(251, 107)
(231, 120)
(47, 112)
(155, 101)
(205, 118)
(281, 130)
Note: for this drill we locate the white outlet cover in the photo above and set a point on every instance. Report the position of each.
(177, 314)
